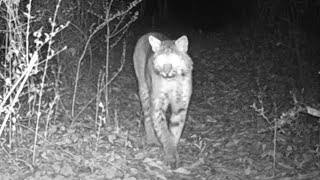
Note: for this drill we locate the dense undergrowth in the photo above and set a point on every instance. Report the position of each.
(64, 115)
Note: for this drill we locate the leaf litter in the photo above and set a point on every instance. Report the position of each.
(222, 138)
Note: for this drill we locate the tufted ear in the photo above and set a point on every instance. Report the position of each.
(182, 43)
(155, 43)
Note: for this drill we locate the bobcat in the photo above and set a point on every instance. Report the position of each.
(164, 72)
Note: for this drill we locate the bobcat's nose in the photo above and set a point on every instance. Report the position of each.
(167, 69)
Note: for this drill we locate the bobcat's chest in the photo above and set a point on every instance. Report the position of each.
(173, 89)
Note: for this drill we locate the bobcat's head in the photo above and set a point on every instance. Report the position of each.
(170, 57)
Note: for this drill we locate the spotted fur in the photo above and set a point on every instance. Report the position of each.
(164, 72)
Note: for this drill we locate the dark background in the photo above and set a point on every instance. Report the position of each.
(211, 15)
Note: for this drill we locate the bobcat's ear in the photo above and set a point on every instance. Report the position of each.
(182, 43)
(155, 43)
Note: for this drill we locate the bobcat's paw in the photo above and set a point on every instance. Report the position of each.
(173, 161)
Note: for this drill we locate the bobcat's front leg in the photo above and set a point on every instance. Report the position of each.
(177, 121)
(150, 136)
(158, 109)
(179, 106)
